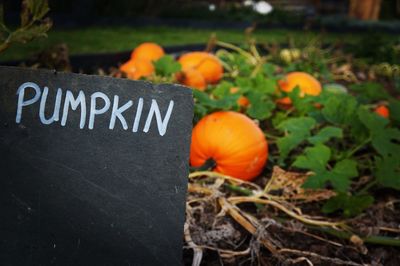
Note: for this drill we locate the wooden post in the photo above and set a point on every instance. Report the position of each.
(365, 9)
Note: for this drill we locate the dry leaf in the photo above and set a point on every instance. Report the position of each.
(289, 187)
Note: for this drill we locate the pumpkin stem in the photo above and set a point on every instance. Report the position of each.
(209, 164)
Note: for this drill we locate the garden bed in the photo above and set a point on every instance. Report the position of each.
(351, 217)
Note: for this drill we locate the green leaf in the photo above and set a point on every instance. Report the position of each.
(342, 173)
(296, 131)
(223, 89)
(394, 108)
(388, 171)
(316, 159)
(340, 109)
(370, 91)
(166, 66)
(303, 104)
(226, 103)
(257, 84)
(383, 138)
(371, 120)
(268, 69)
(261, 106)
(326, 134)
(350, 205)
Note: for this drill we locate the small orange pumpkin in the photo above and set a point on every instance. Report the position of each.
(382, 111)
(308, 85)
(135, 69)
(148, 51)
(233, 141)
(207, 64)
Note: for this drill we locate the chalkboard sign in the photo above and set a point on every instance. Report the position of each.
(93, 170)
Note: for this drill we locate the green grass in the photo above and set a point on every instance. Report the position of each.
(114, 39)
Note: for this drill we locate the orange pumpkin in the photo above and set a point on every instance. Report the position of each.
(382, 111)
(233, 141)
(308, 85)
(193, 79)
(135, 69)
(207, 64)
(148, 51)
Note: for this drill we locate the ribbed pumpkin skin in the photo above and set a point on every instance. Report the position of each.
(207, 64)
(233, 141)
(193, 79)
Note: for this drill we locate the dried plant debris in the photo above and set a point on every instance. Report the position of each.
(288, 185)
(234, 222)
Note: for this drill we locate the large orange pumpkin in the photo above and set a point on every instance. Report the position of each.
(233, 141)
(207, 64)
(148, 51)
(308, 85)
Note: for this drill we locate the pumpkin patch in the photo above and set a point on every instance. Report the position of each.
(294, 144)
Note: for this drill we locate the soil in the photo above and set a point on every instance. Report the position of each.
(219, 235)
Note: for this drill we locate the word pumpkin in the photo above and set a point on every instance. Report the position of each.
(72, 102)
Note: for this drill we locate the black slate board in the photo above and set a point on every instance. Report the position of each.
(71, 196)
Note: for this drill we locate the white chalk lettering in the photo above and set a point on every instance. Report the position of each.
(70, 100)
(138, 115)
(21, 102)
(93, 110)
(117, 113)
(161, 124)
(56, 112)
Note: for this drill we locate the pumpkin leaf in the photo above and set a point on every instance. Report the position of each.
(223, 89)
(326, 134)
(303, 104)
(226, 103)
(261, 106)
(268, 69)
(166, 66)
(350, 205)
(388, 171)
(383, 138)
(296, 131)
(347, 106)
(316, 159)
(370, 92)
(257, 84)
